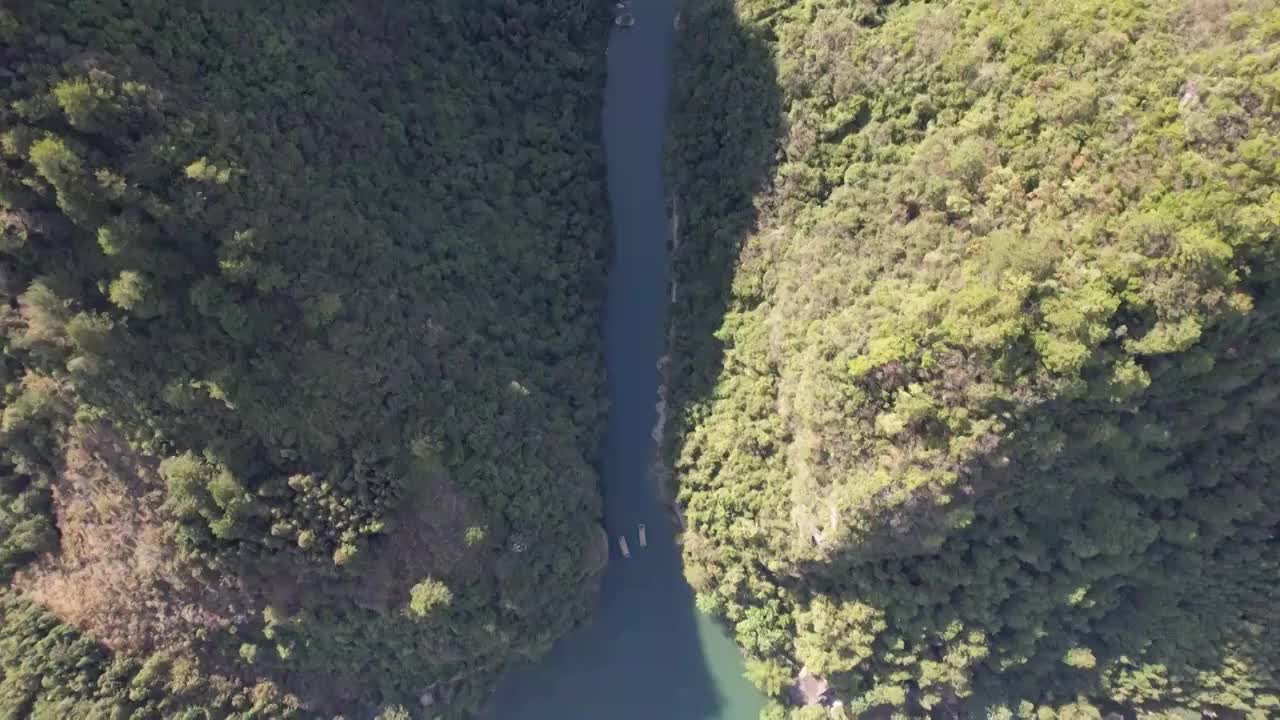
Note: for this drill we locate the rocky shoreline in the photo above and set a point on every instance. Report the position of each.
(662, 473)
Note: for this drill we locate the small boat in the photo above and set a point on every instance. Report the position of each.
(625, 20)
(644, 541)
(622, 543)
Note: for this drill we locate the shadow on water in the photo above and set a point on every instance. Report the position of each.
(647, 653)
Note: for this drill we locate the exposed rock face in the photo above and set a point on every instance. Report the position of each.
(810, 689)
(600, 550)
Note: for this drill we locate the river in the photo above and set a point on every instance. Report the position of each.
(647, 653)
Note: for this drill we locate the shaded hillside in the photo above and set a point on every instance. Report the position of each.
(979, 423)
(301, 369)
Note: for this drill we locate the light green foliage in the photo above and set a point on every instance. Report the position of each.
(132, 292)
(977, 346)
(770, 676)
(202, 169)
(836, 637)
(774, 711)
(813, 712)
(475, 535)
(1081, 658)
(55, 162)
(429, 597)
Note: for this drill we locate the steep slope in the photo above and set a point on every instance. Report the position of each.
(301, 369)
(975, 382)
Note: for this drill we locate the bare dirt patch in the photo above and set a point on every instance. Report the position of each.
(118, 576)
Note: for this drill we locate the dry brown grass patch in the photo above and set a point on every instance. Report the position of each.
(119, 576)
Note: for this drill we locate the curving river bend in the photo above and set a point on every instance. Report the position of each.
(647, 654)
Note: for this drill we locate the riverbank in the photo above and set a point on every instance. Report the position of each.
(647, 653)
(663, 471)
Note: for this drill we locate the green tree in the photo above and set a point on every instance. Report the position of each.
(972, 349)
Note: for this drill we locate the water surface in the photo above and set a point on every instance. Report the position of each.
(647, 654)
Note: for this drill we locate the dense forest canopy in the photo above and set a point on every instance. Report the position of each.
(301, 369)
(976, 371)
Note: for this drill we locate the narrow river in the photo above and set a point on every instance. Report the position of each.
(647, 653)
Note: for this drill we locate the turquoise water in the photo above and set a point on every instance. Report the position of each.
(647, 654)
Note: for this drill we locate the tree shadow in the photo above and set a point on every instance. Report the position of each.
(1145, 537)
(648, 653)
(1025, 545)
(724, 143)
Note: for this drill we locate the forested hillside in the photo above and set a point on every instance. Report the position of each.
(976, 371)
(301, 371)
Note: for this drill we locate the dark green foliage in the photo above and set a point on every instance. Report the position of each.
(25, 525)
(993, 427)
(48, 671)
(336, 266)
